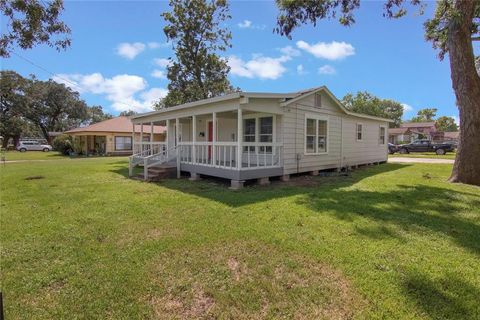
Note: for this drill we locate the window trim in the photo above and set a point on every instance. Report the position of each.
(356, 131)
(316, 117)
(384, 135)
(257, 144)
(115, 143)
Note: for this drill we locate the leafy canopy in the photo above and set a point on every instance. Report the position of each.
(366, 103)
(425, 115)
(195, 28)
(32, 22)
(446, 124)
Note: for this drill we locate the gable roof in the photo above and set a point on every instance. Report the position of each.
(339, 104)
(397, 130)
(288, 97)
(418, 124)
(119, 124)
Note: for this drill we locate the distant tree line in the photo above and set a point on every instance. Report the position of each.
(33, 108)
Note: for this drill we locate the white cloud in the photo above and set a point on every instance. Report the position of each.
(290, 51)
(158, 74)
(407, 107)
(154, 45)
(327, 69)
(120, 90)
(301, 69)
(245, 24)
(330, 51)
(130, 50)
(162, 62)
(258, 67)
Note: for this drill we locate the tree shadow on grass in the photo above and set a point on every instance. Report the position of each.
(417, 207)
(413, 208)
(449, 297)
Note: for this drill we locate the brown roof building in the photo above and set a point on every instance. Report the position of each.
(115, 137)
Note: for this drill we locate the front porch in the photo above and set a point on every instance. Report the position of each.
(209, 144)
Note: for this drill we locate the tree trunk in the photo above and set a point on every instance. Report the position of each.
(466, 84)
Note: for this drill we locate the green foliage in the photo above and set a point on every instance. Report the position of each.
(52, 106)
(446, 124)
(127, 113)
(366, 103)
(425, 115)
(436, 29)
(63, 143)
(96, 114)
(30, 23)
(197, 32)
(294, 13)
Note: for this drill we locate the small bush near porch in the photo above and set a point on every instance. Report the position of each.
(391, 241)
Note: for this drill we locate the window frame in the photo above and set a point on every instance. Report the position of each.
(384, 135)
(255, 146)
(317, 118)
(361, 132)
(115, 143)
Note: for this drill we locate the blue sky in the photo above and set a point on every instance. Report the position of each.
(118, 51)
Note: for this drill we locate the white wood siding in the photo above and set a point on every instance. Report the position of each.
(366, 151)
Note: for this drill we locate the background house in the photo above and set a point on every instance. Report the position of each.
(410, 131)
(114, 136)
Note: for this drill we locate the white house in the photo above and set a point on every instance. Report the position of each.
(280, 134)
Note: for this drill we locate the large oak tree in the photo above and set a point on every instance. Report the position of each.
(453, 29)
(195, 28)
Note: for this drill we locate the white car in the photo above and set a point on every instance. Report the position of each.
(33, 145)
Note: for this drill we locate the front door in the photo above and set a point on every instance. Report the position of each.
(210, 138)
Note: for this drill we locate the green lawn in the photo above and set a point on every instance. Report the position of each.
(80, 240)
(433, 155)
(33, 155)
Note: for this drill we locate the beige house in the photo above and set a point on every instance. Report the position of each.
(254, 135)
(115, 136)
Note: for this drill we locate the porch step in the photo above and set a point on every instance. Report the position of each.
(158, 173)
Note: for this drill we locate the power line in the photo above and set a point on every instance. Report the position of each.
(56, 75)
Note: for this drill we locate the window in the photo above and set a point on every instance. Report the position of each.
(123, 143)
(359, 132)
(266, 133)
(146, 138)
(316, 135)
(382, 135)
(258, 130)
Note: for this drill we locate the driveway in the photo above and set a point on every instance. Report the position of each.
(419, 160)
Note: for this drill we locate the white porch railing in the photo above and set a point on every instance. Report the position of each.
(224, 155)
(149, 147)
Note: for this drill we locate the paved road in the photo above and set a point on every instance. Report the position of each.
(419, 160)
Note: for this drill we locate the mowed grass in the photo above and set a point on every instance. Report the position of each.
(432, 155)
(33, 155)
(80, 240)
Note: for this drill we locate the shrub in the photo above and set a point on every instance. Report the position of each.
(63, 143)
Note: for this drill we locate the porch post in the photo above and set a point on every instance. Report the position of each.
(151, 138)
(167, 135)
(194, 138)
(141, 137)
(214, 140)
(177, 136)
(239, 138)
(133, 138)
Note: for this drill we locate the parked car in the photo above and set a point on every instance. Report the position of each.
(425, 146)
(392, 148)
(32, 145)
